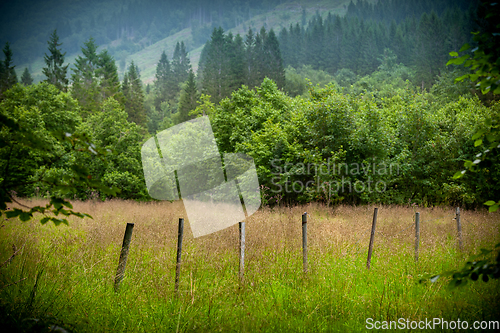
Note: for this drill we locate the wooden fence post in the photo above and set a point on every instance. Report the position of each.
(304, 241)
(372, 238)
(242, 249)
(417, 234)
(459, 229)
(179, 252)
(122, 262)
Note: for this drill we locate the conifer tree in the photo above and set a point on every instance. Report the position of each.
(134, 97)
(236, 55)
(54, 69)
(180, 65)
(109, 84)
(95, 78)
(85, 87)
(274, 62)
(250, 59)
(188, 99)
(215, 67)
(8, 76)
(163, 84)
(26, 78)
(429, 52)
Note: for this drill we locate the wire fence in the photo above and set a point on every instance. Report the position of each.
(356, 249)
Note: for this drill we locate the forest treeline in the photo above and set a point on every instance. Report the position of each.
(418, 38)
(136, 23)
(401, 142)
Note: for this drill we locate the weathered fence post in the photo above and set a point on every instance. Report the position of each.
(459, 229)
(242, 250)
(122, 262)
(372, 238)
(179, 252)
(304, 241)
(417, 234)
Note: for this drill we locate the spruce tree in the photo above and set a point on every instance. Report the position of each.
(188, 99)
(180, 65)
(8, 76)
(250, 59)
(95, 78)
(134, 97)
(26, 78)
(107, 72)
(163, 84)
(54, 70)
(85, 87)
(274, 62)
(430, 54)
(215, 67)
(237, 65)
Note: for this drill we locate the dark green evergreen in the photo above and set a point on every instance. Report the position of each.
(134, 97)
(26, 78)
(54, 69)
(8, 76)
(188, 98)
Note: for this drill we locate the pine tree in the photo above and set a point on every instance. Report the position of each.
(250, 60)
(95, 78)
(180, 65)
(134, 97)
(54, 70)
(430, 54)
(85, 87)
(26, 78)
(109, 84)
(236, 54)
(8, 76)
(274, 62)
(188, 99)
(284, 45)
(163, 84)
(215, 67)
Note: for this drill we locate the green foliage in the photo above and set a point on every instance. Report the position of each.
(477, 266)
(8, 75)
(296, 83)
(26, 78)
(188, 99)
(123, 169)
(134, 96)
(485, 62)
(485, 65)
(227, 62)
(39, 146)
(55, 71)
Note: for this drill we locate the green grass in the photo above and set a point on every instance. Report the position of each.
(69, 271)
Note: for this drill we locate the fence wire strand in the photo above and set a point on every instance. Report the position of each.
(360, 248)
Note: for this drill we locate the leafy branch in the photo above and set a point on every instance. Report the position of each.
(79, 176)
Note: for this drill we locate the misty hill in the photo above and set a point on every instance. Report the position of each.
(141, 30)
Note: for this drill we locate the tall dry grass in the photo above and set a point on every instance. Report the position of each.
(79, 262)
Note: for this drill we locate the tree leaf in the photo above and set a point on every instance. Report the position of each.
(464, 47)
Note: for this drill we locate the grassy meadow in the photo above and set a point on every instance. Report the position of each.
(64, 275)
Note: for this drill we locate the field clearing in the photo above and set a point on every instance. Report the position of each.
(70, 270)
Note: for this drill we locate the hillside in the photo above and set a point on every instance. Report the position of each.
(289, 12)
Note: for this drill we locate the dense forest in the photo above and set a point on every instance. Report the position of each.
(386, 111)
(419, 34)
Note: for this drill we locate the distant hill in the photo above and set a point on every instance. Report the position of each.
(282, 15)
